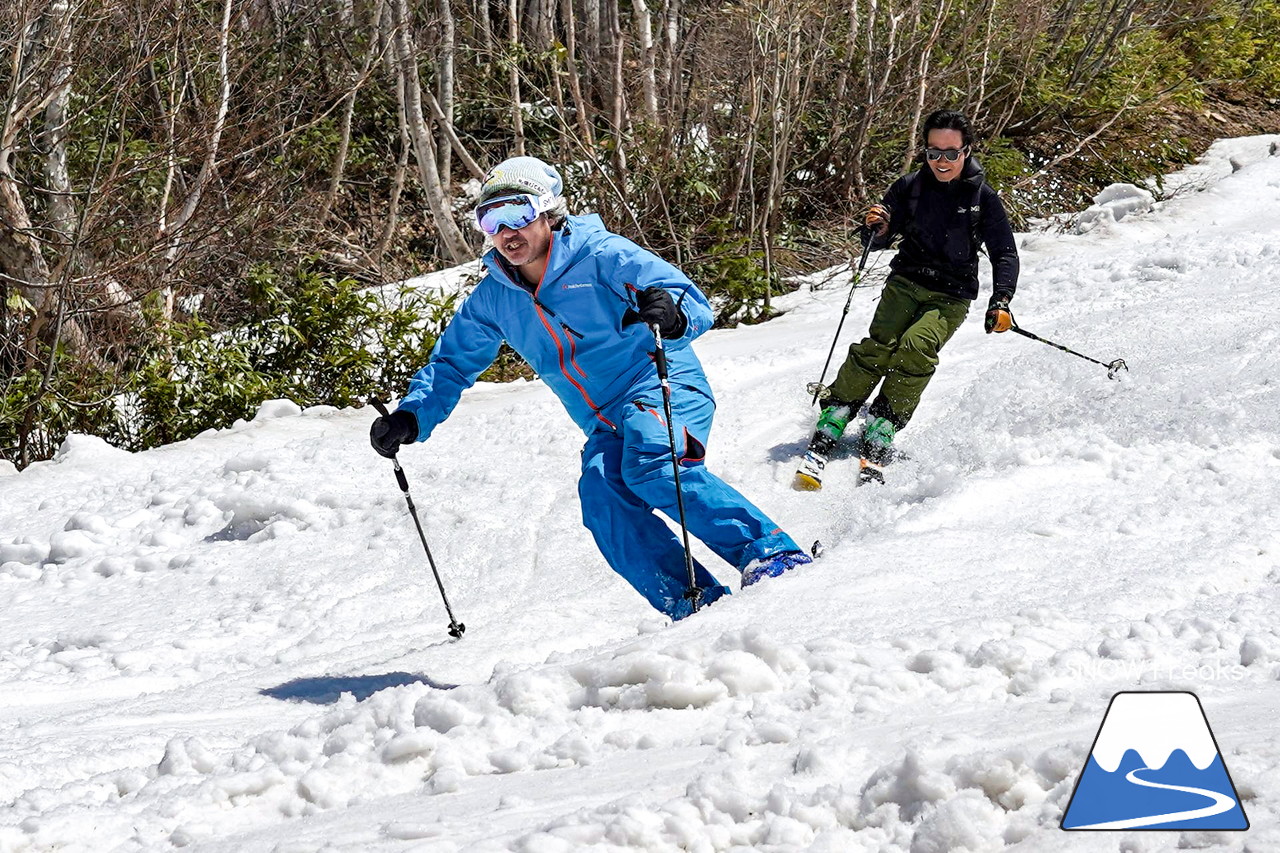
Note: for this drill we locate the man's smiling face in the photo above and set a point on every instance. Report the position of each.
(524, 245)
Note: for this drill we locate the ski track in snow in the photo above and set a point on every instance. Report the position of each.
(234, 643)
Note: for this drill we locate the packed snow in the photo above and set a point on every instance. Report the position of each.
(234, 643)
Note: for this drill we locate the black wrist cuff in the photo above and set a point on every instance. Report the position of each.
(404, 426)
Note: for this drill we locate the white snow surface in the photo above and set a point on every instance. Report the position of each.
(234, 643)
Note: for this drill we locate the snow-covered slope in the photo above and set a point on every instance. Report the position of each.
(234, 643)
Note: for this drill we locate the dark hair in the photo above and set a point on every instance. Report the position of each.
(947, 120)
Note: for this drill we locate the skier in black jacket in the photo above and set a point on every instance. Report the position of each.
(944, 212)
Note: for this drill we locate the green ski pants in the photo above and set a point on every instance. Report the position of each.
(910, 326)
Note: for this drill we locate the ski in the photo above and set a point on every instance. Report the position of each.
(871, 464)
(870, 472)
(809, 475)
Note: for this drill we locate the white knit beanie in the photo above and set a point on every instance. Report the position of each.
(522, 175)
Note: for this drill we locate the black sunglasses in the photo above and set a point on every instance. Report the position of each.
(950, 154)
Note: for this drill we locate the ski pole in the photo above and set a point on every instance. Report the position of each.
(694, 594)
(455, 627)
(817, 387)
(1112, 368)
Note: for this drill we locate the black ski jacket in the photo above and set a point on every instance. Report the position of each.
(943, 225)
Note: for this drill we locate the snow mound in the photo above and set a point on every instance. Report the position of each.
(1113, 204)
(78, 449)
(271, 409)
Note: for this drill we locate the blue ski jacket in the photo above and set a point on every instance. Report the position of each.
(568, 328)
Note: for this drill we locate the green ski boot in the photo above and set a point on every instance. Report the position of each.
(831, 425)
(877, 448)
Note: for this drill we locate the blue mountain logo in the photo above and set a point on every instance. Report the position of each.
(1155, 765)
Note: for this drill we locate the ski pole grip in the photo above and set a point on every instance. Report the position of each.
(380, 406)
(401, 478)
(659, 353)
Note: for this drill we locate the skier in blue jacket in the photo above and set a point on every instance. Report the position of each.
(578, 303)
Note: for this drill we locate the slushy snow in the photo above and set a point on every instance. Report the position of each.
(234, 643)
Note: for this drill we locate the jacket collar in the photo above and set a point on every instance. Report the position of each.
(568, 243)
(972, 174)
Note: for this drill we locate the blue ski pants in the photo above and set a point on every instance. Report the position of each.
(626, 474)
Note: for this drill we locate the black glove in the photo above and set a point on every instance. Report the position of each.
(386, 434)
(655, 305)
(998, 318)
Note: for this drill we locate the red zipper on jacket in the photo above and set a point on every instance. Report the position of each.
(573, 349)
(542, 315)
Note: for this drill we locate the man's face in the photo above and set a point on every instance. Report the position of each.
(947, 141)
(524, 245)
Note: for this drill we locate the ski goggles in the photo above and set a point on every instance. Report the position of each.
(949, 154)
(511, 211)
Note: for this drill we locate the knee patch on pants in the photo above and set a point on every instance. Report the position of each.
(911, 360)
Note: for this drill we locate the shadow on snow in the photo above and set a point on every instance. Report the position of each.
(326, 689)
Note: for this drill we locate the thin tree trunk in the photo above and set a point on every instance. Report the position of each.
(486, 29)
(397, 182)
(170, 107)
(207, 168)
(513, 75)
(62, 213)
(648, 73)
(922, 89)
(544, 20)
(619, 97)
(557, 95)
(22, 261)
(575, 79)
(779, 134)
(671, 32)
(451, 138)
(591, 38)
(850, 47)
(751, 133)
(979, 104)
(451, 238)
(444, 91)
(876, 89)
(348, 114)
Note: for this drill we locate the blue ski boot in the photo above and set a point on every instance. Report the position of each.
(771, 567)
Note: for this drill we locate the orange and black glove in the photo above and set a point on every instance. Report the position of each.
(877, 219)
(998, 317)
